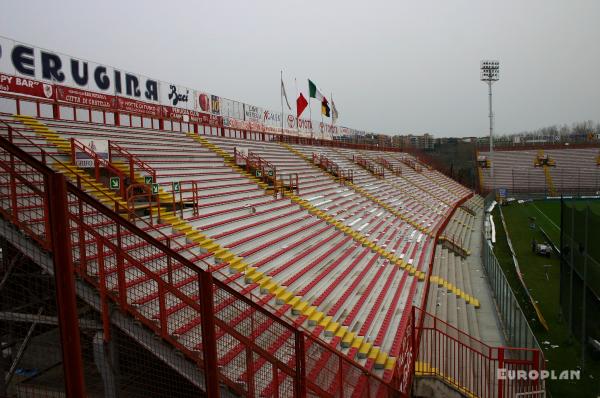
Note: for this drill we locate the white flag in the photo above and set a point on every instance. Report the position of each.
(285, 95)
(334, 112)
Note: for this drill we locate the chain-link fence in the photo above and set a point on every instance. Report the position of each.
(580, 272)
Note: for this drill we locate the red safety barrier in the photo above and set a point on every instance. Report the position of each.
(100, 259)
(133, 161)
(233, 338)
(99, 163)
(470, 365)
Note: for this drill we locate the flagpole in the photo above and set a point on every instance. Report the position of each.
(322, 124)
(312, 133)
(331, 113)
(281, 98)
(297, 117)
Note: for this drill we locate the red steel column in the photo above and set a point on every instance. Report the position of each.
(500, 366)
(65, 287)
(55, 111)
(300, 380)
(209, 338)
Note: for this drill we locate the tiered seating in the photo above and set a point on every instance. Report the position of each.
(344, 261)
(453, 268)
(459, 230)
(281, 241)
(443, 302)
(418, 179)
(361, 215)
(575, 169)
(423, 207)
(473, 205)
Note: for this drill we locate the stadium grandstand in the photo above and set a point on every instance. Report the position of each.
(156, 250)
(550, 170)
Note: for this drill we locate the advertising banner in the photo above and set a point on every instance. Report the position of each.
(328, 130)
(177, 96)
(232, 108)
(87, 98)
(272, 119)
(253, 113)
(33, 71)
(148, 109)
(52, 67)
(202, 103)
(22, 85)
(215, 105)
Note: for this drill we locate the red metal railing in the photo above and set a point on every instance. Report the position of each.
(169, 292)
(186, 194)
(134, 193)
(99, 163)
(470, 365)
(15, 137)
(132, 161)
(376, 170)
(176, 292)
(395, 169)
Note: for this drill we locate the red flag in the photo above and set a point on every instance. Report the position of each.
(301, 104)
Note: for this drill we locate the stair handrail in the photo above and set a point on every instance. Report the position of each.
(239, 155)
(165, 288)
(132, 196)
(98, 163)
(132, 216)
(117, 207)
(46, 156)
(132, 160)
(178, 199)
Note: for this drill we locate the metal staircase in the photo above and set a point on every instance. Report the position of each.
(549, 182)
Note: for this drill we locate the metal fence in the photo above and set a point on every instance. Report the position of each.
(184, 328)
(516, 329)
(580, 272)
(470, 365)
(134, 317)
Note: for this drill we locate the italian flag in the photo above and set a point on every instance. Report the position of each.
(314, 92)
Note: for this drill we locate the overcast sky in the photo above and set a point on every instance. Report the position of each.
(392, 66)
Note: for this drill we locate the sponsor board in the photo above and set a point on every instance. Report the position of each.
(86, 98)
(253, 113)
(23, 85)
(133, 106)
(177, 96)
(202, 103)
(52, 67)
(33, 71)
(215, 105)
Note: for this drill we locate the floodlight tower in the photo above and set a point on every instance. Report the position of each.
(490, 73)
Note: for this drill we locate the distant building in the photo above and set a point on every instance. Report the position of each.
(425, 141)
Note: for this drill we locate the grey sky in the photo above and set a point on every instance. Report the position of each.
(393, 66)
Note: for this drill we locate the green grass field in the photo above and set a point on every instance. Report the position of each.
(563, 353)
